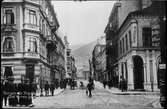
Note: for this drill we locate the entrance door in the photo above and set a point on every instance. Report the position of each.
(30, 72)
(138, 72)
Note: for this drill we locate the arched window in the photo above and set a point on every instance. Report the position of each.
(8, 45)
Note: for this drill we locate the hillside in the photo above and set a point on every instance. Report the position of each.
(82, 54)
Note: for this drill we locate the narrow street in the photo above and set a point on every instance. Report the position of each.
(102, 99)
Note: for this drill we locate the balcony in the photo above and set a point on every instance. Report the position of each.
(8, 28)
(51, 44)
(36, 2)
(31, 55)
(31, 27)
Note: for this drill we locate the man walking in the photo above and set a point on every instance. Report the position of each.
(90, 87)
(46, 88)
(52, 88)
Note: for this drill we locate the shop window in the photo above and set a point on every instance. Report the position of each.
(8, 73)
(8, 45)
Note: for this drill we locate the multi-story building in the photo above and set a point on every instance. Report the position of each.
(132, 36)
(99, 62)
(29, 40)
(70, 63)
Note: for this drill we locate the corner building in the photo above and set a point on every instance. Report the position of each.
(135, 35)
(28, 33)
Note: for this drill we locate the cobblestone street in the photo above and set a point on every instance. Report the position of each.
(102, 98)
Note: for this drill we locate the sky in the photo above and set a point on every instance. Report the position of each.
(82, 22)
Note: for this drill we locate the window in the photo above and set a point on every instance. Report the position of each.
(120, 47)
(147, 40)
(40, 24)
(32, 45)
(123, 45)
(9, 17)
(8, 45)
(130, 37)
(43, 26)
(32, 17)
(126, 38)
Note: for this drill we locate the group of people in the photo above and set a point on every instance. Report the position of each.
(17, 93)
(122, 84)
(62, 84)
(49, 86)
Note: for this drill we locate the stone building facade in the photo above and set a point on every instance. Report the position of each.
(133, 41)
(99, 62)
(29, 40)
(70, 63)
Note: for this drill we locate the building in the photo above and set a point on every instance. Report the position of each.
(70, 63)
(99, 61)
(132, 36)
(29, 41)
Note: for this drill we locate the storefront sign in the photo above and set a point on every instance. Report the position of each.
(162, 66)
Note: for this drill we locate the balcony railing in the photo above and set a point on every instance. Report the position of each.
(31, 27)
(9, 55)
(8, 27)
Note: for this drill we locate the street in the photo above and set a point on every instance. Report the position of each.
(102, 99)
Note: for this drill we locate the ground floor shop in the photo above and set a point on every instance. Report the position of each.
(20, 70)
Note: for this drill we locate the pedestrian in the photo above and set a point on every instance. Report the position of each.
(2, 91)
(104, 83)
(90, 87)
(6, 92)
(46, 88)
(52, 88)
(34, 89)
(121, 83)
(81, 85)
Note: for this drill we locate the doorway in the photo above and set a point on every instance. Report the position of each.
(30, 72)
(138, 71)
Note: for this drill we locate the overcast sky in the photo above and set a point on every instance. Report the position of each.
(82, 22)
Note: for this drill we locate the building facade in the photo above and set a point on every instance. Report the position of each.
(133, 43)
(29, 41)
(70, 63)
(99, 62)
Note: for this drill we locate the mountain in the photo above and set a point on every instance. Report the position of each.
(82, 55)
(74, 47)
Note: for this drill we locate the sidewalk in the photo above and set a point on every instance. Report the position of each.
(119, 92)
(38, 100)
(155, 104)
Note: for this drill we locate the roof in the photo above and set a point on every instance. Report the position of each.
(156, 8)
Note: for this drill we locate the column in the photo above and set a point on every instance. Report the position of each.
(155, 85)
(130, 74)
(147, 84)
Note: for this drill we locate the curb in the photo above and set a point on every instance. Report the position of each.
(156, 104)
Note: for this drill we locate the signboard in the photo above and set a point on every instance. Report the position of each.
(162, 66)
